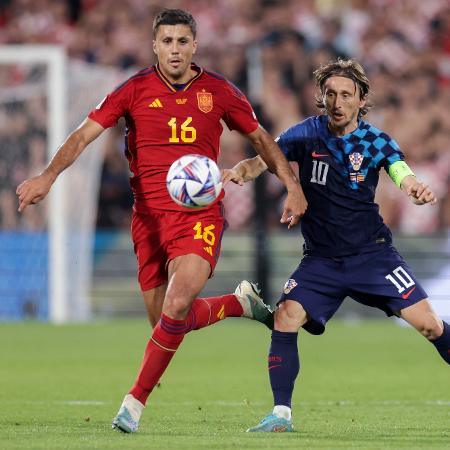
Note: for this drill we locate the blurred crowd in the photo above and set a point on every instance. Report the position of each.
(23, 144)
(269, 49)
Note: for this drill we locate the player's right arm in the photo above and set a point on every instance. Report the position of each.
(35, 189)
(245, 170)
(289, 142)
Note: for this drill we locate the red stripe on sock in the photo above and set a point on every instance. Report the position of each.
(207, 311)
(159, 351)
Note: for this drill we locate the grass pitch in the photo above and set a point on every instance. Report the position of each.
(371, 385)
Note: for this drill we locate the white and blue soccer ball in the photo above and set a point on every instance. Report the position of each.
(194, 181)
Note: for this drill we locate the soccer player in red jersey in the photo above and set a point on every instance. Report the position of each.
(172, 109)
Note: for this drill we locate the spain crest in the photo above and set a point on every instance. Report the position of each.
(205, 101)
(356, 160)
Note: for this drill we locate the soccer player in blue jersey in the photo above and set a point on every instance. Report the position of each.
(348, 249)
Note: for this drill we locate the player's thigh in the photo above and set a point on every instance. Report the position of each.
(187, 277)
(154, 299)
(198, 232)
(422, 317)
(383, 280)
(290, 316)
(317, 285)
(147, 232)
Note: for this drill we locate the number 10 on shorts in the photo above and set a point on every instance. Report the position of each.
(401, 279)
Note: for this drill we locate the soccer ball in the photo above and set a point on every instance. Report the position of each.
(194, 181)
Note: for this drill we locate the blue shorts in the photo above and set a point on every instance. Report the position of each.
(380, 279)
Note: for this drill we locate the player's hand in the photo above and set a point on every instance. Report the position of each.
(420, 194)
(295, 207)
(33, 190)
(233, 176)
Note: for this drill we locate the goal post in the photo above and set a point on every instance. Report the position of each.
(60, 291)
(54, 58)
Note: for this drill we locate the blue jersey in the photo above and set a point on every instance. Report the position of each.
(339, 176)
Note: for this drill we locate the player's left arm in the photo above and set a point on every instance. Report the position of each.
(295, 204)
(419, 193)
(402, 175)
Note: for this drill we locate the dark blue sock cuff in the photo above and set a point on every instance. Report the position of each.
(284, 337)
(442, 343)
(445, 336)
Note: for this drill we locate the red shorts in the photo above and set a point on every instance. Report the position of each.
(160, 236)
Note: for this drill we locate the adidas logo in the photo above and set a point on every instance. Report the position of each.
(221, 313)
(156, 103)
(208, 250)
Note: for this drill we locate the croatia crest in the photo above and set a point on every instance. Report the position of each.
(205, 101)
(356, 160)
(289, 285)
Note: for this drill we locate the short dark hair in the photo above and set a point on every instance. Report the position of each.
(174, 17)
(348, 68)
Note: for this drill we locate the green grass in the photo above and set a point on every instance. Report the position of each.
(369, 385)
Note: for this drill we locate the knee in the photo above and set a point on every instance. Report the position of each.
(176, 307)
(431, 327)
(290, 316)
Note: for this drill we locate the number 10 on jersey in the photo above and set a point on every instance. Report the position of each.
(319, 172)
(183, 132)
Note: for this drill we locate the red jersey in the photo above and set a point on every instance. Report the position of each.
(163, 124)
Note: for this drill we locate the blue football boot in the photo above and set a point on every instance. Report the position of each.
(272, 424)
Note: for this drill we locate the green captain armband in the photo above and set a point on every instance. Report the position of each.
(398, 171)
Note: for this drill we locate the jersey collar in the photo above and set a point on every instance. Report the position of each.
(325, 131)
(161, 76)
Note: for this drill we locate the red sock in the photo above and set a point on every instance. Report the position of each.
(166, 338)
(207, 311)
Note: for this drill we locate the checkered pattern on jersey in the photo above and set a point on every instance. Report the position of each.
(375, 145)
(372, 143)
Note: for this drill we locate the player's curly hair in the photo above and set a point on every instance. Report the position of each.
(348, 68)
(174, 17)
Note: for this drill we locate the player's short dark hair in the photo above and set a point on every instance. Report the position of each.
(348, 68)
(174, 17)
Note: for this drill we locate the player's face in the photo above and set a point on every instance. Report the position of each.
(342, 100)
(174, 46)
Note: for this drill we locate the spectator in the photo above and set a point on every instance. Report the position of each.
(410, 44)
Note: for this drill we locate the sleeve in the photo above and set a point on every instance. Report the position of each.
(390, 150)
(239, 114)
(291, 143)
(113, 106)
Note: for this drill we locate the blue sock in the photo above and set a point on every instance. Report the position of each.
(284, 365)
(442, 343)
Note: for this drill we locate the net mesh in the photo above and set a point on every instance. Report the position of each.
(24, 238)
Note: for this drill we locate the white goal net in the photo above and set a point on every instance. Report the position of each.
(46, 252)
